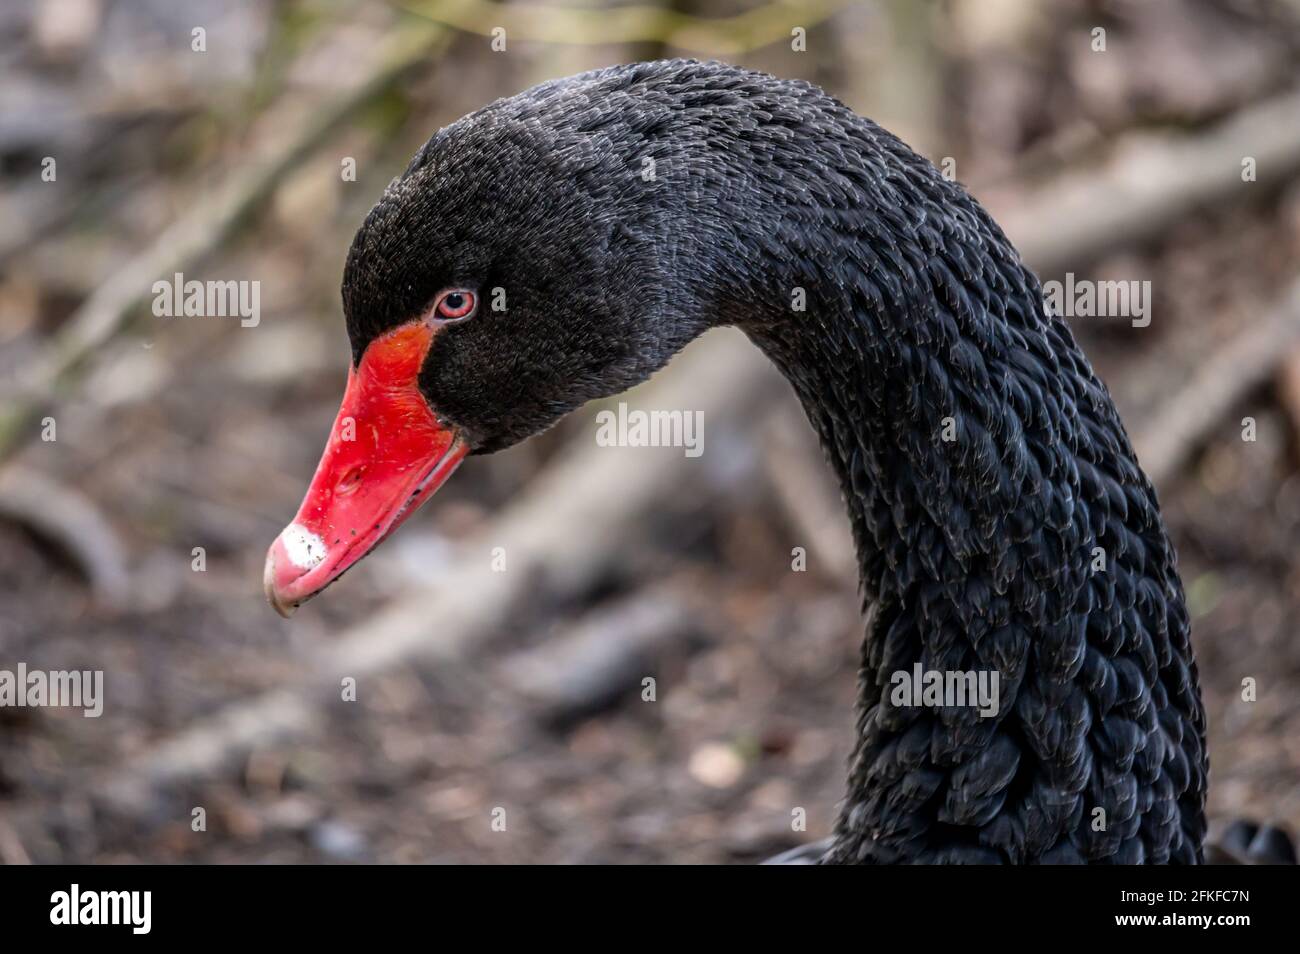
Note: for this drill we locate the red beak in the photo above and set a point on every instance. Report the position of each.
(387, 454)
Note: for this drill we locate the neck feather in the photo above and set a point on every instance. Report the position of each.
(1003, 527)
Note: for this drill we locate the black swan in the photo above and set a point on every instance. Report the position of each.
(525, 263)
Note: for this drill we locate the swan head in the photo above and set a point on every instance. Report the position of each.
(531, 258)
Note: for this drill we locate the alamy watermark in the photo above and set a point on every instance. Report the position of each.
(1086, 298)
(939, 688)
(637, 428)
(133, 909)
(179, 298)
(77, 688)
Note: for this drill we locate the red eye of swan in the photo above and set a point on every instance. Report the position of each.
(458, 303)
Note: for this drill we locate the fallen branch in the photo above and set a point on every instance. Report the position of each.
(604, 656)
(807, 492)
(72, 522)
(197, 233)
(1166, 440)
(1153, 183)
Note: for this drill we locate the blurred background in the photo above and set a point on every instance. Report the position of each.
(133, 541)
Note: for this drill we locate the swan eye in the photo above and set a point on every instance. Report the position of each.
(456, 304)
